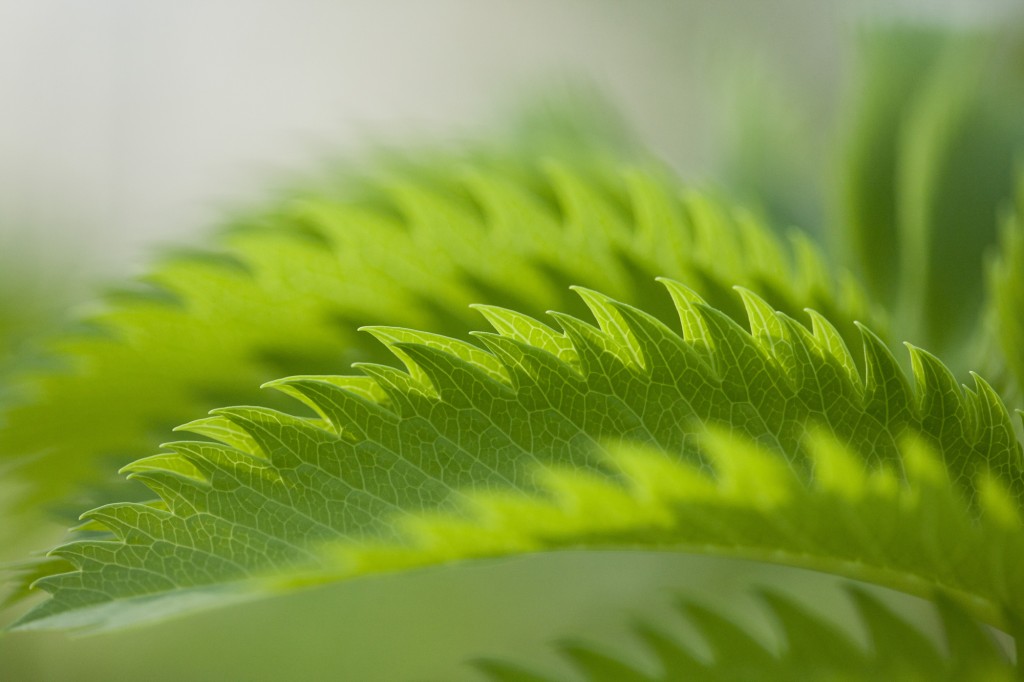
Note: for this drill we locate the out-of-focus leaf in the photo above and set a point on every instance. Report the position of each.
(890, 66)
(929, 165)
(812, 648)
(767, 444)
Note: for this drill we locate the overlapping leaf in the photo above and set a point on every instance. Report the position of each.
(1006, 288)
(413, 247)
(931, 153)
(812, 648)
(531, 445)
(890, 69)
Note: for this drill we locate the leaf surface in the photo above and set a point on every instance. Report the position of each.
(1006, 300)
(929, 167)
(812, 647)
(768, 444)
(413, 248)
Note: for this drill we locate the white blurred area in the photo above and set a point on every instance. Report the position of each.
(125, 123)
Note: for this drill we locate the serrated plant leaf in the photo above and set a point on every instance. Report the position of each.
(812, 647)
(418, 243)
(766, 444)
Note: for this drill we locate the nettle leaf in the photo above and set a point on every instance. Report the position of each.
(1006, 286)
(812, 647)
(413, 247)
(768, 444)
(775, 147)
(929, 167)
(890, 69)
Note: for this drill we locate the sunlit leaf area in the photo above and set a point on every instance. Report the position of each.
(512, 342)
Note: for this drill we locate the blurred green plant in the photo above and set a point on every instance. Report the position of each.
(29, 308)
(704, 421)
(929, 166)
(811, 648)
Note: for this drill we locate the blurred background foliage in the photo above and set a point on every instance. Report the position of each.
(880, 128)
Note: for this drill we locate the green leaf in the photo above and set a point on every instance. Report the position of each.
(812, 648)
(958, 154)
(890, 67)
(412, 244)
(766, 444)
(776, 146)
(1006, 286)
(929, 167)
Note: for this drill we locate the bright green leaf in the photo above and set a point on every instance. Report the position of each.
(767, 445)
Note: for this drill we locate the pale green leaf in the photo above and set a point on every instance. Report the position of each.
(413, 247)
(929, 166)
(1006, 287)
(812, 647)
(767, 445)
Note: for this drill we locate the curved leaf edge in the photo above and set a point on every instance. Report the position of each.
(622, 499)
(810, 646)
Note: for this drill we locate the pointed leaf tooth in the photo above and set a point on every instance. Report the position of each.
(528, 330)
(349, 412)
(128, 521)
(425, 209)
(509, 351)
(599, 666)
(414, 371)
(938, 392)
(887, 392)
(892, 640)
(80, 554)
(1005, 455)
(222, 430)
(213, 460)
(406, 394)
(456, 380)
(735, 354)
(686, 300)
(664, 353)
(589, 215)
(766, 252)
(182, 494)
(362, 386)
(923, 466)
(611, 322)
(509, 209)
(594, 232)
(818, 376)
(165, 461)
(658, 215)
(728, 641)
(761, 317)
(599, 355)
(400, 337)
(969, 642)
(276, 433)
(998, 503)
(714, 241)
(801, 364)
(527, 362)
(809, 638)
(87, 526)
(810, 265)
(835, 468)
(675, 661)
(831, 343)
